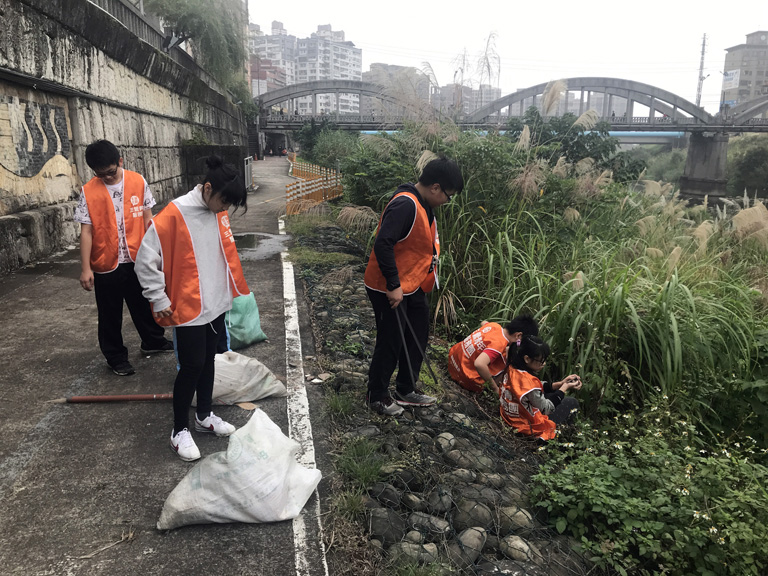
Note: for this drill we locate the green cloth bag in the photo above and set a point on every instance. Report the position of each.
(243, 322)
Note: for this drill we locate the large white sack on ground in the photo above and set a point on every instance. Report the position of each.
(256, 480)
(238, 378)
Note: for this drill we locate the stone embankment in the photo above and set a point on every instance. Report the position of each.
(450, 492)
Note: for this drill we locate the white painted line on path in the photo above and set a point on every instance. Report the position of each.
(299, 426)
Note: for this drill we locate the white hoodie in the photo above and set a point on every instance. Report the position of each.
(203, 226)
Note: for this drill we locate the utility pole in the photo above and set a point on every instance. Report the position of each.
(701, 71)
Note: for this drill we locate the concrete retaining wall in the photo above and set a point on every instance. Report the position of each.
(70, 73)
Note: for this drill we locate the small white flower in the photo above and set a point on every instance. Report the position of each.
(696, 514)
(713, 530)
(687, 448)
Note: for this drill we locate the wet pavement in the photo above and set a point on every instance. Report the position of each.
(82, 485)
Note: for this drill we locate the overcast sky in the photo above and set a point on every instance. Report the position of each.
(652, 41)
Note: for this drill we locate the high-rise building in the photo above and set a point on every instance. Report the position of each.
(324, 56)
(327, 56)
(277, 48)
(745, 73)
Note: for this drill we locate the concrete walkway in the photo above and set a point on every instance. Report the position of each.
(75, 478)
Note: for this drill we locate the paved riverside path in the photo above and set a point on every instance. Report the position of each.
(74, 478)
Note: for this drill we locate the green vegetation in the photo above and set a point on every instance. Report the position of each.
(322, 144)
(659, 306)
(307, 256)
(360, 462)
(643, 497)
(339, 405)
(748, 165)
(216, 31)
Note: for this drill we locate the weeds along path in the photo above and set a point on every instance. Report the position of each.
(440, 490)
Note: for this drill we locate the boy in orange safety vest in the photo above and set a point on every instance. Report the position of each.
(401, 271)
(114, 211)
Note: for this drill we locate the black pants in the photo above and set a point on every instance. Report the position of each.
(389, 352)
(196, 346)
(111, 290)
(565, 411)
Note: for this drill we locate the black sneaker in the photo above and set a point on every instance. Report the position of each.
(167, 347)
(415, 398)
(123, 369)
(385, 406)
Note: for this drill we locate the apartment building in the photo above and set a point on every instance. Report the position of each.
(745, 73)
(325, 55)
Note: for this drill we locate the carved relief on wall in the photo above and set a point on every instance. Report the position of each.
(36, 167)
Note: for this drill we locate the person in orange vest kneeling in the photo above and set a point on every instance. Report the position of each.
(190, 271)
(528, 405)
(401, 271)
(480, 358)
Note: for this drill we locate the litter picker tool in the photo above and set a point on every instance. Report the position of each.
(399, 313)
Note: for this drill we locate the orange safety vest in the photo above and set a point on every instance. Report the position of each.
(104, 250)
(518, 383)
(415, 255)
(182, 277)
(462, 356)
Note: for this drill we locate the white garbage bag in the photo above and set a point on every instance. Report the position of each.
(256, 480)
(238, 378)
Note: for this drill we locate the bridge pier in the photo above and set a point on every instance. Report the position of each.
(704, 173)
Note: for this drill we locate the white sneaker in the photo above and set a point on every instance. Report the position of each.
(214, 424)
(184, 446)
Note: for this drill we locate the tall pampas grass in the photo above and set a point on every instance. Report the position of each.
(524, 142)
(358, 220)
(561, 168)
(426, 157)
(702, 234)
(587, 120)
(552, 94)
(380, 146)
(530, 180)
(750, 221)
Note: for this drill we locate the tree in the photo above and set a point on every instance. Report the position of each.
(748, 165)
(214, 26)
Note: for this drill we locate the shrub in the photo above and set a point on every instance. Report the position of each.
(643, 497)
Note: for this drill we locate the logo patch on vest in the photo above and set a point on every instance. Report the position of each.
(136, 210)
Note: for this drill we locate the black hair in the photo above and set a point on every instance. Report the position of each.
(445, 172)
(523, 323)
(101, 154)
(533, 347)
(225, 181)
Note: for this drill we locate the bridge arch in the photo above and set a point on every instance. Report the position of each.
(656, 99)
(744, 112)
(328, 87)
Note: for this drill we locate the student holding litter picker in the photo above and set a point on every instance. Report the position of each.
(480, 358)
(401, 271)
(190, 271)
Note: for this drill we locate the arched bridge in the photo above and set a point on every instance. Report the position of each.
(408, 108)
(643, 107)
